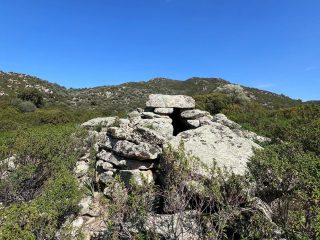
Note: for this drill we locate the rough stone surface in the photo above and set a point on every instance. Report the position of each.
(222, 119)
(105, 177)
(207, 120)
(217, 143)
(165, 111)
(148, 135)
(151, 115)
(139, 177)
(109, 157)
(105, 142)
(160, 125)
(101, 121)
(85, 205)
(9, 163)
(104, 165)
(142, 151)
(193, 123)
(81, 168)
(119, 133)
(131, 148)
(134, 115)
(170, 101)
(194, 114)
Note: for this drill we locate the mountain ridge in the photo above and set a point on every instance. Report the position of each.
(127, 95)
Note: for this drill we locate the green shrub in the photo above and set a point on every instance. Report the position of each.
(288, 178)
(219, 202)
(27, 106)
(33, 95)
(214, 102)
(41, 218)
(7, 125)
(42, 191)
(54, 116)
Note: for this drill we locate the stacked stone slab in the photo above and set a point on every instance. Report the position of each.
(131, 147)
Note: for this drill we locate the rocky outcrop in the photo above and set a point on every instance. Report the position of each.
(102, 121)
(170, 101)
(141, 151)
(217, 143)
(164, 111)
(195, 114)
(131, 149)
(136, 143)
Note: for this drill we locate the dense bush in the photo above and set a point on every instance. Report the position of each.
(219, 203)
(11, 118)
(54, 116)
(288, 178)
(288, 172)
(33, 95)
(42, 191)
(213, 103)
(27, 106)
(7, 125)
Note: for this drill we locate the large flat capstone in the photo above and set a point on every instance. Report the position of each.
(170, 101)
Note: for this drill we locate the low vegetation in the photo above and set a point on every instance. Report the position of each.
(287, 171)
(42, 191)
(41, 132)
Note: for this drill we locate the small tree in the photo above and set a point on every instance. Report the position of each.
(33, 95)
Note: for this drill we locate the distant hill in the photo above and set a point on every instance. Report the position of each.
(314, 102)
(129, 95)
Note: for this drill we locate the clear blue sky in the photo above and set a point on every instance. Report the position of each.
(269, 44)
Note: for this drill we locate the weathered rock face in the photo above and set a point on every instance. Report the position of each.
(170, 101)
(102, 121)
(131, 149)
(194, 114)
(161, 125)
(142, 151)
(163, 110)
(126, 147)
(217, 143)
(140, 177)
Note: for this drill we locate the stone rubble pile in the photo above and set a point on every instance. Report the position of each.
(131, 148)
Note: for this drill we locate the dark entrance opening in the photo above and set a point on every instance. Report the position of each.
(179, 125)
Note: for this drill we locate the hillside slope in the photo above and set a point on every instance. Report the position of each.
(124, 97)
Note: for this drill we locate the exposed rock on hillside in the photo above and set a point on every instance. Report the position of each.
(131, 149)
(102, 122)
(216, 143)
(168, 101)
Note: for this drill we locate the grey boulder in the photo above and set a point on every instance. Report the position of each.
(161, 125)
(218, 144)
(164, 111)
(170, 101)
(194, 114)
(101, 121)
(137, 176)
(141, 151)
